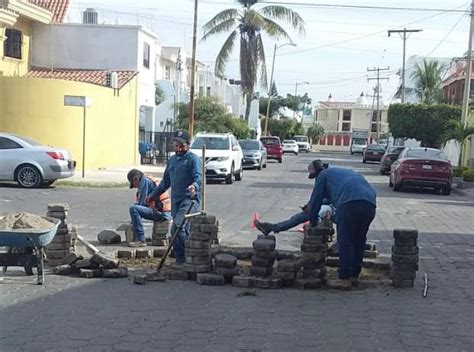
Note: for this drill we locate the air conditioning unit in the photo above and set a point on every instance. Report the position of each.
(111, 80)
(90, 16)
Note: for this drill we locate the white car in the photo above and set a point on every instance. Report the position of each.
(303, 143)
(290, 146)
(224, 157)
(31, 164)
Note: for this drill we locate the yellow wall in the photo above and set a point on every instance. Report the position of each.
(35, 108)
(14, 67)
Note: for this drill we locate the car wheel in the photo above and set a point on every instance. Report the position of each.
(364, 161)
(390, 183)
(47, 183)
(280, 160)
(381, 171)
(446, 190)
(352, 153)
(265, 165)
(230, 177)
(28, 176)
(296, 153)
(239, 174)
(259, 167)
(397, 187)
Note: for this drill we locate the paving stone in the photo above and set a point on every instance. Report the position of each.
(406, 234)
(198, 244)
(53, 262)
(316, 231)
(263, 245)
(62, 231)
(155, 277)
(61, 207)
(159, 252)
(62, 238)
(122, 227)
(109, 237)
(256, 261)
(63, 270)
(290, 255)
(410, 242)
(312, 265)
(405, 259)
(314, 256)
(198, 260)
(266, 237)
(288, 265)
(124, 254)
(210, 228)
(105, 261)
(200, 236)
(261, 271)
(241, 253)
(370, 254)
(314, 248)
(225, 261)
(195, 227)
(60, 254)
(57, 214)
(307, 283)
(404, 267)
(89, 273)
(210, 279)
(173, 274)
(403, 283)
(62, 246)
(405, 250)
(115, 273)
(203, 219)
(196, 252)
(379, 264)
(271, 282)
(287, 282)
(195, 268)
(242, 281)
(71, 258)
(159, 243)
(316, 240)
(403, 275)
(285, 275)
(266, 254)
(370, 247)
(142, 253)
(140, 279)
(226, 272)
(314, 273)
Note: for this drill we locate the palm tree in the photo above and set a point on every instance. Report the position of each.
(458, 131)
(247, 24)
(427, 78)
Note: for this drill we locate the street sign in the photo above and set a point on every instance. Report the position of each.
(74, 100)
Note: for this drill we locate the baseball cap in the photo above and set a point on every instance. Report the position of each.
(315, 167)
(182, 136)
(133, 173)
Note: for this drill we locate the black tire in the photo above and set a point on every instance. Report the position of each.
(265, 165)
(352, 153)
(259, 167)
(390, 183)
(397, 187)
(296, 153)
(28, 176)
(382, 172)
(364, 161)
(280, 160)
(240, 173)
(230, 178)
(446, 190)
(47, 183)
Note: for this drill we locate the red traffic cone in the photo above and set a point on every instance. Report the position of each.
(301, 229)
(255, 217)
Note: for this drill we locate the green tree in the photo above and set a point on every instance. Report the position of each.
(458, 131)
(212, 116)
(315, 132)
(284, 128)
(425, 123)
(159, 95)
(246, 26)
(428, 76)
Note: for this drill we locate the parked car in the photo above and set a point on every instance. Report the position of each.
(303, 143)
(273, 146)
(31, 164)
(373, 152)
(389, 158)
(224, 158)
(290, 146)
(255, 154)
(421, 167)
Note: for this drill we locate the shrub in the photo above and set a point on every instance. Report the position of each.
(458, 170)
(468, 175)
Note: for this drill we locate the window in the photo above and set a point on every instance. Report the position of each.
(208, 91)
(146, 55)
(346, 115)
(12, 45)
(167, 72)
(6, 143)
(374, 116)
(346, 126)
(374, 127)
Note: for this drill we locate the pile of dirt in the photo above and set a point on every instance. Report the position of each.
(24, 221)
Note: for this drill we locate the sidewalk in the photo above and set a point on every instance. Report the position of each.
(113, 177)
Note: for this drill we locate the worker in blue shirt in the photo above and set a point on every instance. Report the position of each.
(183, 174)
(355, 201)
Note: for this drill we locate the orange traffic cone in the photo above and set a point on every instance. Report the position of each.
(255, 217)
(302, 228)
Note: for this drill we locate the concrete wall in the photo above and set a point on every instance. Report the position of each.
(35, 108)
(15, 67)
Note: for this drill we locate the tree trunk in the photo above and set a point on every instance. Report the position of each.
(248, 106)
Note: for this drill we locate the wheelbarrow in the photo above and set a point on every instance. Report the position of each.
(25, 247)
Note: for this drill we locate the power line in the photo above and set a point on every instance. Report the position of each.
(446, 36)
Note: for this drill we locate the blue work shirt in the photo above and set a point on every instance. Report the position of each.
(145, 188)
(339, 186)
(181, 172)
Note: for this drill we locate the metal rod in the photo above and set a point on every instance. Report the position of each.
(193, 73)
(269, 93)
(84, 140)
(425, 289)
(203, 190)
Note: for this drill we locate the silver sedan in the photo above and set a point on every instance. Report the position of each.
(31, 164)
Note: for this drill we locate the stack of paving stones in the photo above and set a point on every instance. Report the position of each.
(264, 257)
(226, 265)
(404, 258)
(98, 265)
(198, 253)
(206, 224)
(314, 253)
(159, 234)
(64, 239)
(287, 271)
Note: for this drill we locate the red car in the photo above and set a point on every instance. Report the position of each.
(274, 149)
(373, 152)
(421, 167)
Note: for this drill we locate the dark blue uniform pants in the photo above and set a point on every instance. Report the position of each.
(183, 234)
(353, 221)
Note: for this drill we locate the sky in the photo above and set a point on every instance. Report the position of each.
(339, 45)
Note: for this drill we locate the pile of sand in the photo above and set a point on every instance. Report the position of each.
(24, 221)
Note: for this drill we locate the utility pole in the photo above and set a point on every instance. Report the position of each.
(403, 34)
(378, 90)
(177, 100)
(193, 72)
(467, 82)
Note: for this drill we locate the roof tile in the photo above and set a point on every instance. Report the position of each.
(57, 7)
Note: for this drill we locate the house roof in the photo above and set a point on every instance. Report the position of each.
(97, 77)
(57, 7)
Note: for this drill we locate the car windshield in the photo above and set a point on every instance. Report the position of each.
(426, 154)
(301, 138)
(212, 143)
(31, 142)
(395, 150)
(359, 141)
(376, 147)
(270, 141)
(249, 145)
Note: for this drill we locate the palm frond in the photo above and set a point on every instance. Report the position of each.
(252, 21)
(262, 62)
(222, 16)
(220, 28)
(284, 13)
(224, 54)
(274, 30)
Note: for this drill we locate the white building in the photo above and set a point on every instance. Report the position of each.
(101, 47)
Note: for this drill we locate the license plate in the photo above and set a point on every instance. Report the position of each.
(427, 167)
(71, 164)
(375, 153)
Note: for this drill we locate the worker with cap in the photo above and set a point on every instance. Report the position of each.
(355, 202)
(151, 210)
(183, 174)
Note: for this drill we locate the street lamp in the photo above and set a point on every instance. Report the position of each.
(296, 93)
(271, 82)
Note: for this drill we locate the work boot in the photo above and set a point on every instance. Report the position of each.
(340, 284)
(137, 244)
(263, 227)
